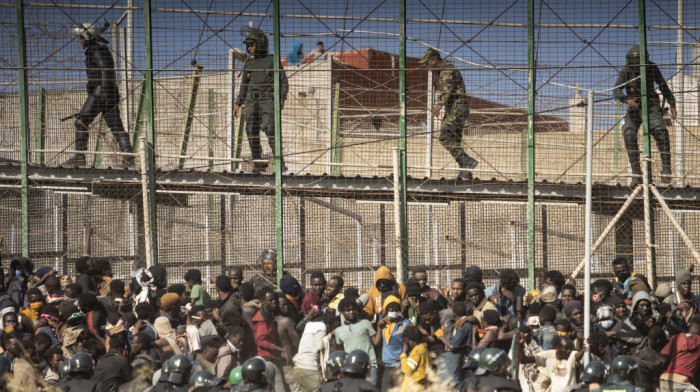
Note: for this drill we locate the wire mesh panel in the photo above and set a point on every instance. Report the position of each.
(212, 199)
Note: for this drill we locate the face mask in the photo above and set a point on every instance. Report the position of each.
(393, 315)
(563, 333)
(622, 276)
(9, 329)
(384, 289)
(18, 273)
(607, 324)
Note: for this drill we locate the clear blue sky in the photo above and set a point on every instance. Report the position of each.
(182, 37)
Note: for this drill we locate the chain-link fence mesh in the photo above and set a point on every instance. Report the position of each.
(341, 119)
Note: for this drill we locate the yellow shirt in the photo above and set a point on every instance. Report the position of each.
(415, 367)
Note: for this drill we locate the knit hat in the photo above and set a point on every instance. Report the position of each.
(548, 294)
(571, 306)
(637, 285)
(162, 325)
(615, 301)
(289, 285)
(682, 275)
(390, 299)
(663, 291)
(412, 288)
(169, 300)
(472, 274)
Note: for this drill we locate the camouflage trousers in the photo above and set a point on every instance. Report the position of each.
(452, 129)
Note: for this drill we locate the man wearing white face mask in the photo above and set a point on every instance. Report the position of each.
(390, 335)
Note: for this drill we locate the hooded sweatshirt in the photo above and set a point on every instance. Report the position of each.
(374, 305)
(295, 56)
(628, 333)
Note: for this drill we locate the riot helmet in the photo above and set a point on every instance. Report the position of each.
(595, 371)
(204, 378)
(633, 55)
(624, 367)
(255, 36)
(336, 361)
(492, 360)
(356, 363)
(236, 375)
(473, 360)
(178, 369)
(253, 372)
(81, 363)
(64, 369)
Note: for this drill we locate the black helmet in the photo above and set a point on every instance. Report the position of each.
(178, 369)
(253, 371)
(633, 55)
(473, 360)
(257, 36)
(81, 363)
(335, 361)
(205, 379)
(356, 363)
(491, 360)
(64, 369)
(624, 367)
(595, 371)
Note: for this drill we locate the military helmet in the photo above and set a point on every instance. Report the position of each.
(624, 367)
(236, 375)
(204, 378)
(473, 361)
(64, 369)
(256, 36)
(178, 369)
(595, 371)
(335, 361)
(81, 363)
(87, 31)
(491, 360)
(356, 363)
(633, 55)
(253, 371)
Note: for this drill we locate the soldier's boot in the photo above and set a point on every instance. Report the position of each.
(75, 161)
(666, 173)
(82, 137)
(636, 168)
(124, 143)
(466, 162)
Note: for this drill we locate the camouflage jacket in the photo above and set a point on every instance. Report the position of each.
(258, 80)
(633, 88)
(451, 89)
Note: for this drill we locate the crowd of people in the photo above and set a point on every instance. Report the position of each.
(88, 331)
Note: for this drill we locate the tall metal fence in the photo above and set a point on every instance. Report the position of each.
(529, 68)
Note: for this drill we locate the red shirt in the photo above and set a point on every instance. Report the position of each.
(684, 355)
(265, 336)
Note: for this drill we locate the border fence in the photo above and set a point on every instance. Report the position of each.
(368, 181)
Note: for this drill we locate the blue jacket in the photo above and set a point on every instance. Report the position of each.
(391, 352)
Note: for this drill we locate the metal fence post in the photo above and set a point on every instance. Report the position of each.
(402, 141)
(531, 144)
(648, 206)
(279, 212)
(23, 124)
(150, 209)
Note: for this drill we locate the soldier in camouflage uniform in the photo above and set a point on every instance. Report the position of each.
(630, 81)
(257, 95)
(452, 94)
